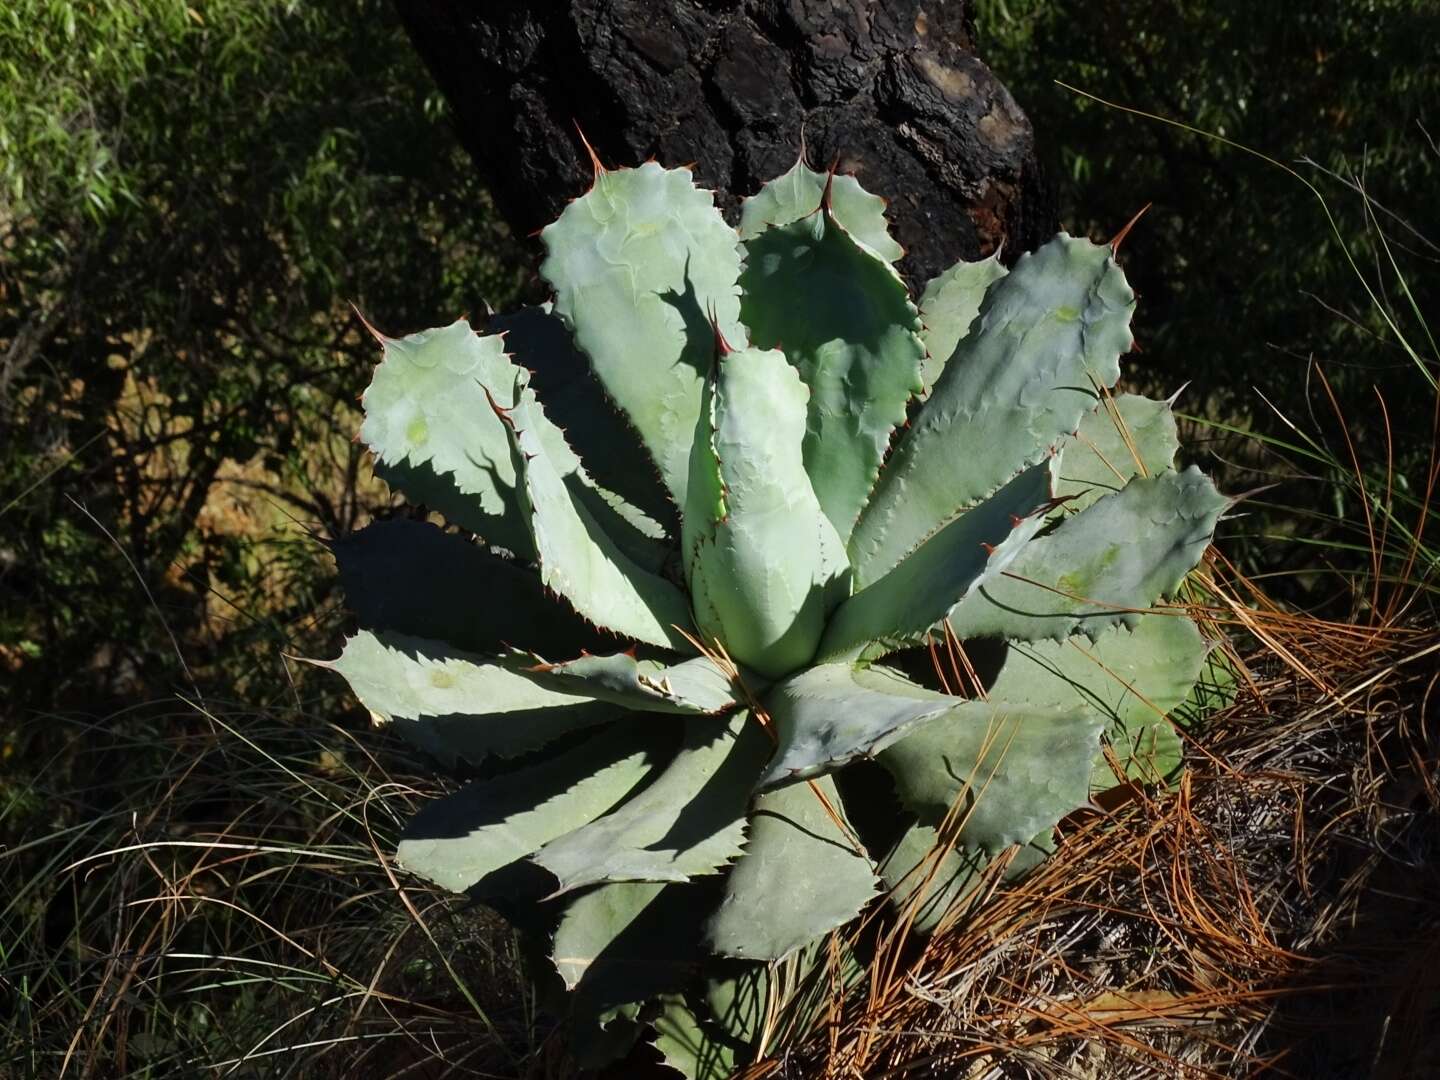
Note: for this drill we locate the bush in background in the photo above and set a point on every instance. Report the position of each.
(190, 198)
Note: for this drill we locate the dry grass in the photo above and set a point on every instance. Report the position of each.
(213, 897)
(227, 905)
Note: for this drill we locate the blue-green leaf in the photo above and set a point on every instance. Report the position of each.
(434, 435)
(948, 306)
(457, 705)
(488, 824)
(1133, 678)
(844, 319)
(412, 578)
(577, 558)
(797, 193)
(1119, 439)
(1102, 566)
(904, 605)
(803, 872)
(762, 557)
(1048, 333)
(639, 263)
(689, 822)
(693, 687)
(1012, 773)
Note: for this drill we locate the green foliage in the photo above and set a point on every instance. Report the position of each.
(756, 589)
(1342, 85)
(191, 196)
(810, 550)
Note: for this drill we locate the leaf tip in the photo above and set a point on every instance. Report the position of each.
(598, 169)
(376, 334)
(1119, 238)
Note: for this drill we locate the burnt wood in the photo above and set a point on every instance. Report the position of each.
(891, 89)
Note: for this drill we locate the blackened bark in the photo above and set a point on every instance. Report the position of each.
(890, 88)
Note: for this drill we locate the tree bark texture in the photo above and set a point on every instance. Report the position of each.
(889, 89)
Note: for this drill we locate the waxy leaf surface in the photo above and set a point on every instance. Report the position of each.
(1048, 334)
(904, 605)
(457, 705)
(948, 306)
(1126, 437)
(693, 687)
(1133, 678)
(689, 822)
(803, 873)
(488, 824)
(761, 552)
(639, 263)
(1018, 769)
(434, 434)
(577, 558)
(1102, 566)
(797, 194)
(844, 319)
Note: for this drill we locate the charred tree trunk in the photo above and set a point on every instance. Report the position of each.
(890, 89)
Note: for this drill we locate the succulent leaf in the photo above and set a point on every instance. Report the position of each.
(905, 604)
(768, 561)
(739, 995)
(600, 1040)
(1215, 689)
(948, 306)
(538, 340)
(621, 944)
(1047, 333)
(577, 558)
(803, 873)
(1131, 436)
(844, 320)
(1133, 678)
(457, 705)
(412, 578)
(429, 421)
(456, 841)
(831, 714)
(798, 193)
(748, 504)
(1101, 566)
(689, 822)
(742, 997)
(1019, 770)
(691, 1045)
(433, 433)
(694, 687)
(704, 508)
(639, 263)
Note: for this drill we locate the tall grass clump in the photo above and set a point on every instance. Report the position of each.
(205, 890)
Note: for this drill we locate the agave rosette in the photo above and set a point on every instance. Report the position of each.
(712, 487)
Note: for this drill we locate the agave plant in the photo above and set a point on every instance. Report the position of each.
(695, 504)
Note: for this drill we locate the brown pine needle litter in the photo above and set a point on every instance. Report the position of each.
(1278, 913)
